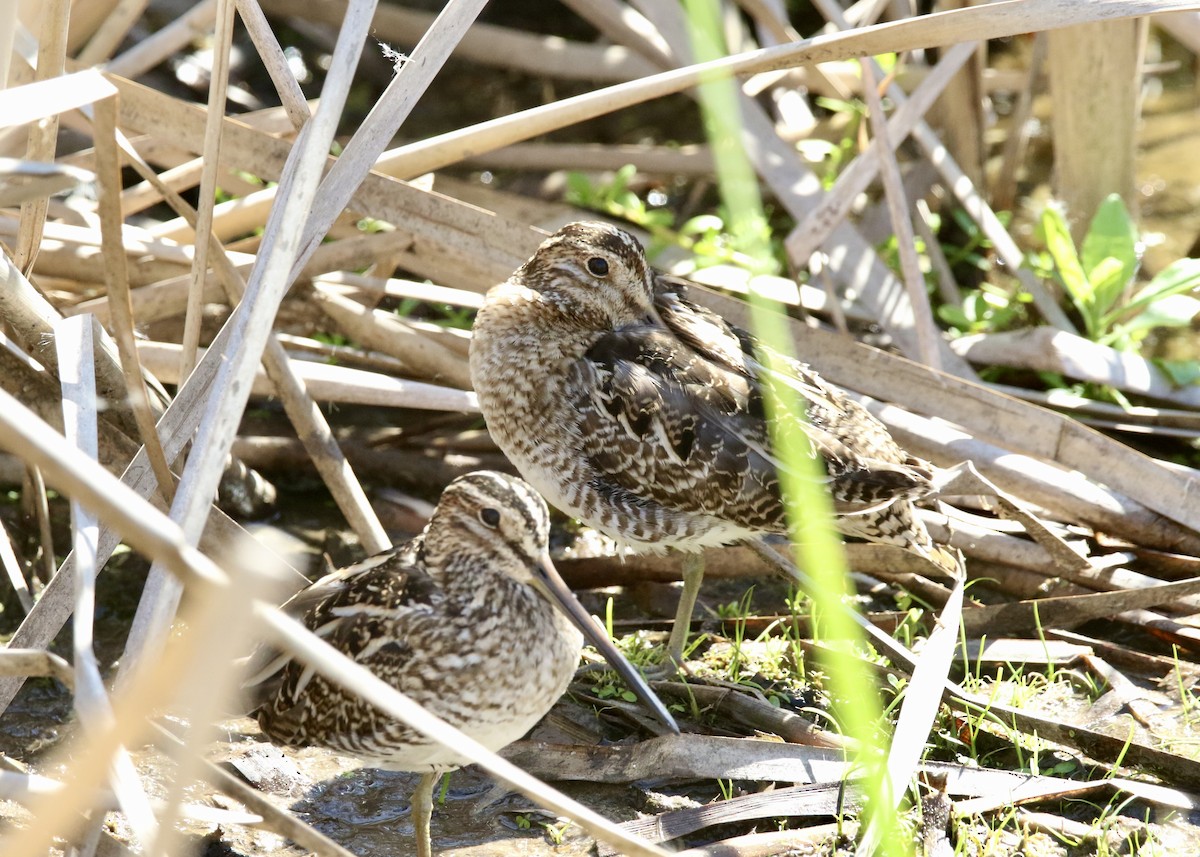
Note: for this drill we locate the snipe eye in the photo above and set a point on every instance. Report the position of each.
(490, 517)
(597, 266)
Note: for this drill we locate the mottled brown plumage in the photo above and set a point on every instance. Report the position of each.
(641, 413)
(467, 619)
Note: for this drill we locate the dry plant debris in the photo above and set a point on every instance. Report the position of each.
(197, 298)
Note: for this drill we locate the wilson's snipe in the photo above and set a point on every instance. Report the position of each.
(642, 414)
(462, 619)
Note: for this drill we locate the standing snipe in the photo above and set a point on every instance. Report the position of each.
(642, 414)
(461, 619)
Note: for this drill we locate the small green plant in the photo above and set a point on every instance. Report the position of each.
(707, 237)
(616, 199)
(988, 309)
(1098, 277)
(726, 787)
(445, 315)
(556, 830)
(1187, 697)
(739, 612)
(831, 156)
(614, 691)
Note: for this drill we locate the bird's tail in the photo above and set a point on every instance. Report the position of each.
(898, 524)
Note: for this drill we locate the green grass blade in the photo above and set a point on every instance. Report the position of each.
(1110, 253)
(1066, 261)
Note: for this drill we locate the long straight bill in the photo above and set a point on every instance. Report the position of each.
(596, 635)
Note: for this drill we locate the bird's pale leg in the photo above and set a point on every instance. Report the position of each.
(422, 811)
(693, 573)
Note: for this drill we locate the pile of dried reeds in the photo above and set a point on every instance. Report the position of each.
(81, 401)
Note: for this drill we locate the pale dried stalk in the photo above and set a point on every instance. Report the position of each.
(330, 383)
(36, 662)
(343, 355)
(31, 318)
(286, 85)
(948, 291)
(108, 172)
(218, 87)
(362, 152)
(1094, 72)
(183, 173)
(21, 786)
(73, 338)
(1016, 141)
(144, 195)
(624, 25)
(149, 689)
(928, 335)
(489, 44)
(1050, 350)
(995, 20)
(53, 608)
(204, 702)
(1133, 417)
(425, 353)
(156, 48)
(12, 569)
(166, 298)
(42, 135)
(922, 700)
(111, 31)
(136, 241)
(8, 28)
(307, 418)
(249, 330)
(33, 101)
(358, 154)
(397, 288)
(472, 244)
(962, 188)
(37, 488)
(686, 160)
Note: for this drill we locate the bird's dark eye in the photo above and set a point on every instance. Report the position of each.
(598, 266)
(490, 517)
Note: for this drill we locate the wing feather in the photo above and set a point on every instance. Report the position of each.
(674, 413)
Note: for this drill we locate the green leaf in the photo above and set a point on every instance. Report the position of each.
(1177, 278)
(954, 316)
(1110, 253)
(623, 177)
(579, 189)
(627, 199)
(1108, 279)
(1066, 262)
(1182, 372)
(1168, 311)
(701, 224)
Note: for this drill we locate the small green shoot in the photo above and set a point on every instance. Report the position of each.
(1098, 278)
(726, 787)
(556, 830)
